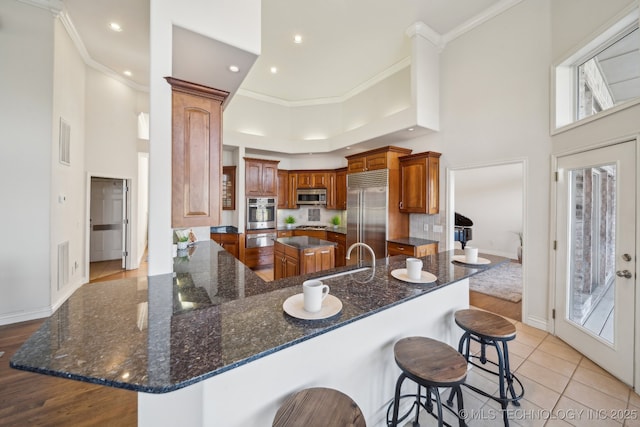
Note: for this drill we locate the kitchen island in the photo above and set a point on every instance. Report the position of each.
(211, 345)
(294, 256)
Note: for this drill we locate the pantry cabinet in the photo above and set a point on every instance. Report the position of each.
(196, 150)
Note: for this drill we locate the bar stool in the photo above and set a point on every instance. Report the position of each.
(490, 329)
(430, 364)
(319, 407)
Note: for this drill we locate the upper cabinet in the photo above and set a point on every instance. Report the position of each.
(261, 177)
(420, 183)
(283, 189)
(337, 189)
(381, 158)
(196, 154)
(312, 179)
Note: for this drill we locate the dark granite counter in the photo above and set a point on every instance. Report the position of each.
(166, 332)
(304, 242)
(226, 229)
(340, 230)
(412, 241)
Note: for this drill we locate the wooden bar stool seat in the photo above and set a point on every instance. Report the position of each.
(430, 364)
(489, 329)
(319, 407)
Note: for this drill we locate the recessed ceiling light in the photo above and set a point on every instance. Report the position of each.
(347, 148)
(411, 129)
(127, 73)
(297, 39)
(274, 70)
(115, 27)
(234, 68)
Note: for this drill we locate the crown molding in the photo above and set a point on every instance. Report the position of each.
(53, 6)
(88, 60)
(406, 62)
(479, 19)
(426, 32)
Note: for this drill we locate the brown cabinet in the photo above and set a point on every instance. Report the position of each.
(420, 183)
(290, 261)
(229, 188)
(196, 163)
(261, 177)
(419, 251)
(283, 189)
(341, 189)
(285, 233)
(229, 241)
(374, 159)
(293, 186)
(258, 257)
(312, 179)
(285, 261)
(341, 247)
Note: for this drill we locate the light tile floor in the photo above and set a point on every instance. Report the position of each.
(562, 388)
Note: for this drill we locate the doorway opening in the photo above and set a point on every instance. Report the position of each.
(492, 198)
(108, 224)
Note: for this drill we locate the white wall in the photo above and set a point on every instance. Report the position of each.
(494, 108)
(67, 181)
(235, 23)
(492, 198)
(26, 108)
(112, 140)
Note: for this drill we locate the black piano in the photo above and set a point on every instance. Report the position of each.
(462, 231)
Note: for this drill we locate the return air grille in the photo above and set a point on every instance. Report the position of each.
(63, 264)
(377, 178)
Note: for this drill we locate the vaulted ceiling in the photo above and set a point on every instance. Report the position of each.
(344, 42)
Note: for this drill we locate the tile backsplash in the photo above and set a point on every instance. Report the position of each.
(312, 216)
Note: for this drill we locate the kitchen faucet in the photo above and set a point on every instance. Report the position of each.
(373, 255)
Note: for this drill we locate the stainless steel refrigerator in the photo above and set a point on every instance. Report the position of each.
(367, 213)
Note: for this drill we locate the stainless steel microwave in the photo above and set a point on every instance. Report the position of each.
(312, 196)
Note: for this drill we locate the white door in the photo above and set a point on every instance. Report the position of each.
(107, 219)
(595, 256)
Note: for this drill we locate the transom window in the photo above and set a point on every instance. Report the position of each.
(601, 76)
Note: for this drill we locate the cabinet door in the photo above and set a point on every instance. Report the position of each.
(376, 161)
(305, 180)
(331, 191)
(426, 250)
(308, 261)
(270, 179)
(319, 180)
(357, 164)
(290, 266)
(413, 177)
(283, 189)
(196, 158)
(278, 261)
(293, 186)
(229, 188)
(341, 190)
(325, 258)
(253, 178)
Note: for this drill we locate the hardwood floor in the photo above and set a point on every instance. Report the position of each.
(30, 399)
(512, 310)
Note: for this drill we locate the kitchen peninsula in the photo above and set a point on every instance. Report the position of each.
(211, 345)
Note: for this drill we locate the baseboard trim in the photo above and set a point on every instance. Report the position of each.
(25, 316)
(537, 322)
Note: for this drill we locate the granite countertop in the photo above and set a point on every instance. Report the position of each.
(340, 230)
(304, 242)
(165, 332)
(224, 229)
(412, 241)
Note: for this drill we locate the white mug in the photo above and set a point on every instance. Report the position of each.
(314, 292)
(471, 254)
(414, 268)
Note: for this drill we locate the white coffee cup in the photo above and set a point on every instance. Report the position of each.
(414, 268)
(471, 254)
(314, 292)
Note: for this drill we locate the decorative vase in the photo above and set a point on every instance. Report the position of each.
(182, 245)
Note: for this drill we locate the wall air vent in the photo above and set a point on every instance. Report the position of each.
(63, 264)
(65, 142)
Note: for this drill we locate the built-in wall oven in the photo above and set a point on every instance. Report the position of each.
(261, 213)
(260, 240)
